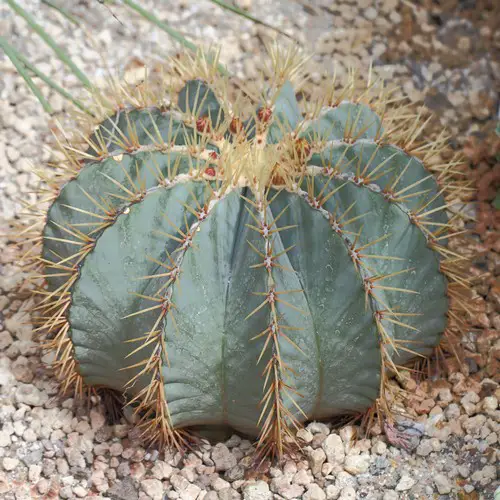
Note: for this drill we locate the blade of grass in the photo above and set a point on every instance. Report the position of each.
(165, 27)
(51, 82)
(11, 54)
(61, 54)
(70, 17)
(247, 15)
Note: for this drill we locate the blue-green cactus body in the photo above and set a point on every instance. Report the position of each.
(198, 282)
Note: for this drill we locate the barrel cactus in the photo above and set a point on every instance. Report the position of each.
(250, 272)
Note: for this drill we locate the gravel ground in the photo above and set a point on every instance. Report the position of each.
(445, 55)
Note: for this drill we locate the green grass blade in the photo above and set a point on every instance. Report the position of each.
(53, 85)
(61, 54)
(247, 15)
(165, 27)
(70, 17)
(11, 53)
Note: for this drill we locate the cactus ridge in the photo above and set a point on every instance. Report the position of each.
(302, 251)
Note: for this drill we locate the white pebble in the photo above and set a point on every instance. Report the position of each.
(442, 484)
(10, 463)
(405, 483)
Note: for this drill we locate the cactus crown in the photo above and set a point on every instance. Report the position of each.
(249, 271)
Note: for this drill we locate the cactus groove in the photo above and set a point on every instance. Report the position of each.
(250, 271)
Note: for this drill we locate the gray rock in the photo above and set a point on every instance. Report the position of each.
(227, 494)
(6, 412)
(4, 439)
(318, 440)
(233, 441)
(379, 448)
(357, 464)
(179, 482)
(235, 473)
(6, 377)
(379, 465)
(280, 483)
(405, 483)
(103, 434)
(5, 340)
(192, 492)
(314, 492)
(485, 476)
(30, 395)
(404, 433)
(97, 419)
(345, 479)
(332, 492)
(65, 492)
(123, 470)
(257, 491)
(153, 488)
(390, 495)
(302, 478)
(62, 466)
(75, 458)
(424, 448)
(464, 471)
(10, 463)
(348, 493)
(20, 325)
(442, 484)
(445, 395)
(219, 484)
(304, 435)
(318, 428)
(334, 449)
(292, 491)
(123, 490)
(34, 473)
(370, 14)
(347, 434)
(211, 495)
(473, 425)
(316, 460)
(31, 456)
(161, 470)
(223, 458)
(490, 404)
(79, 491)
(452, 411)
